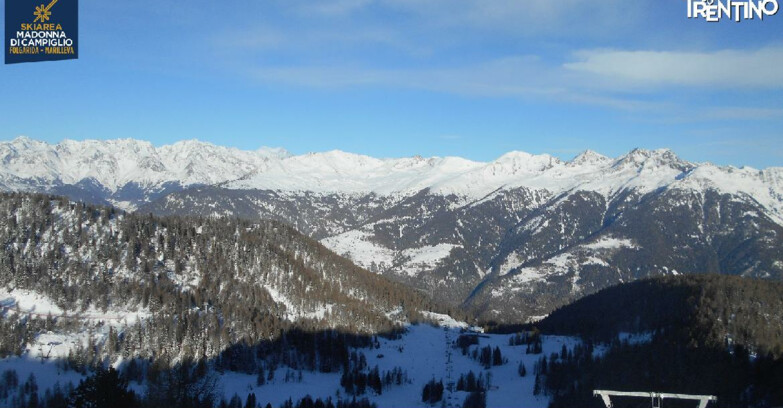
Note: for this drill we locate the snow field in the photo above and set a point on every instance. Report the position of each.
(357, 246)
(94, 323)
(425, 353)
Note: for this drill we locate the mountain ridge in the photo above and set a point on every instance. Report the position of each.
(113, 165)
(509, 239)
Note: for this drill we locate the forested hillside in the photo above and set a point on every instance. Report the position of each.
(710, 310)
(699, 334)
(176, 288)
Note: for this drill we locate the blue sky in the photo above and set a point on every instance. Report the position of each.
(392, 78)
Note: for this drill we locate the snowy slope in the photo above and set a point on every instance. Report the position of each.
(91, 324)
(423, 353)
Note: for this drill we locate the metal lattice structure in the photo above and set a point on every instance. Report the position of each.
(655, 397)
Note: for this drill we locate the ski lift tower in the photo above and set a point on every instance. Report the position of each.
(655, 397)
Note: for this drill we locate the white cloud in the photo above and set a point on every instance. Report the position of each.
(489, 48)
(527, 77)
(718, 69)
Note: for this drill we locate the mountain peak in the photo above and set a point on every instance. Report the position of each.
(192, 144)
(26, 142)
(274, 152)
(522, 162)
(337, 155)
(588, 157)
(515, 155)
(643, 158)
(23, 139)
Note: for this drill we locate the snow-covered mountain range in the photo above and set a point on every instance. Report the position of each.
(114, 165)
(511, 238)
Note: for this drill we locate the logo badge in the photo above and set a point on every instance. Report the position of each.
(714, 11)
(36, 31)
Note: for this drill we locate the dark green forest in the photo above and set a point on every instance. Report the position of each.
(708, 334)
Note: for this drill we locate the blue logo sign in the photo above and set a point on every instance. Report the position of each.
(36, 31)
